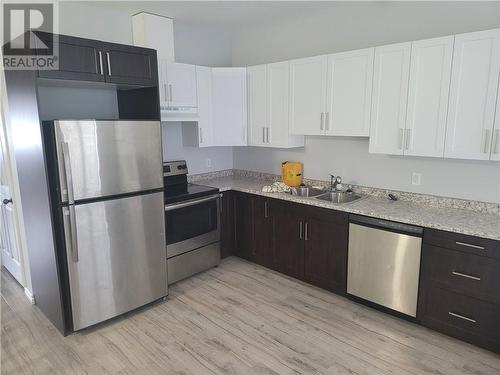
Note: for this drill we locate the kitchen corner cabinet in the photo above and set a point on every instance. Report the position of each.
(268, 106)
(229, 106)
(473, 95)
(390, 94)
(300, 241)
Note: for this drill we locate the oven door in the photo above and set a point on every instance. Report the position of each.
(192, 224)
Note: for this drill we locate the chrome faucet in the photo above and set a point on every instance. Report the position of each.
(335, 183)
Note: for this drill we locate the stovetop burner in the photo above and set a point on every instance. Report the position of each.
(177, 188)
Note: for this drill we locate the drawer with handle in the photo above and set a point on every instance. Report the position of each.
(466, 273)
(461, 316)
(461, 242)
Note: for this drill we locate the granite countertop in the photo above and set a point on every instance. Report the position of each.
(485, 225)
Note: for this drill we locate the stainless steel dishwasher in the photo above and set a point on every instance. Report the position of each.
(384, 262)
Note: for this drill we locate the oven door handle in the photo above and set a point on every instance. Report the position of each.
(176, 206)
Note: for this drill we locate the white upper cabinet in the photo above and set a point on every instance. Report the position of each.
(308, 95)
(278, 109)
(229, 105)
(257, 105)
(205, 128)
(428, 95)
(473, 95)
(495, 141)
(156, 32)
(390, 94)
(180, 85)
(268, 106)
(349, 90)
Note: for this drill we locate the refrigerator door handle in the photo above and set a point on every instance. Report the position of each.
(67, 173)
(73, 239)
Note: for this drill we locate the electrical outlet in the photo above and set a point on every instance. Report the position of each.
(416, 178)
(208, 163)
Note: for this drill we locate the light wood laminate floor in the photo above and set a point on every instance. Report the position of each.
(239, 318)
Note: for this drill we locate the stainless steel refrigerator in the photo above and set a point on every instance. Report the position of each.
(107, 188)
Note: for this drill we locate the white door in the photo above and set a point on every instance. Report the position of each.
(257, 105)
(495, 142)
(390, 94)
(11, 257)
(204, 93)
(229, 103)
(428, 95)
(181, 84)
(349, 91)
(278, 90)
(473, 93)
(308, 95)
(163, 83)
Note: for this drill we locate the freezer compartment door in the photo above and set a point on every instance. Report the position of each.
(383, 267)
(116, 255)
(105, 158)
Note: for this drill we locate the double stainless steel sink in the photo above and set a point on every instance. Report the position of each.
(339, 197)
(329, 196)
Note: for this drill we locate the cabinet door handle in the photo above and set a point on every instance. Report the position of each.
(466, 275)
(100, 63)
(401, 138)
(407, 139)
(462, 317)
(170, 92)
(496, 147)
(486, 140)
(267, 134)
(266, 210)
(470, 245)
(166, 92)
(306, 236)
(300, 230)
(327, 120)
(201, 135)
(322, 120)
(109, 63)
(263, 135)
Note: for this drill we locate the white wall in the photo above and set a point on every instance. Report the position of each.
(194, 44)
(358, 25)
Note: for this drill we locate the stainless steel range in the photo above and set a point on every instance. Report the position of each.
(192, 222)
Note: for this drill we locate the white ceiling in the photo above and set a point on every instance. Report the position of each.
(231, 15)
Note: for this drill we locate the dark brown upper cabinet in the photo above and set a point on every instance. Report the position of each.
(92, 60)
(130, 65)
(79, 59)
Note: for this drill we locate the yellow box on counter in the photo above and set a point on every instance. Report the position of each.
(291, 173)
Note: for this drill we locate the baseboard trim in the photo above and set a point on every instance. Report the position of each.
(29, 295)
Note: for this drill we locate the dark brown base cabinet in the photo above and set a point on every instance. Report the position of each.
(300, 241)
(459, 292)
(460, 287)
